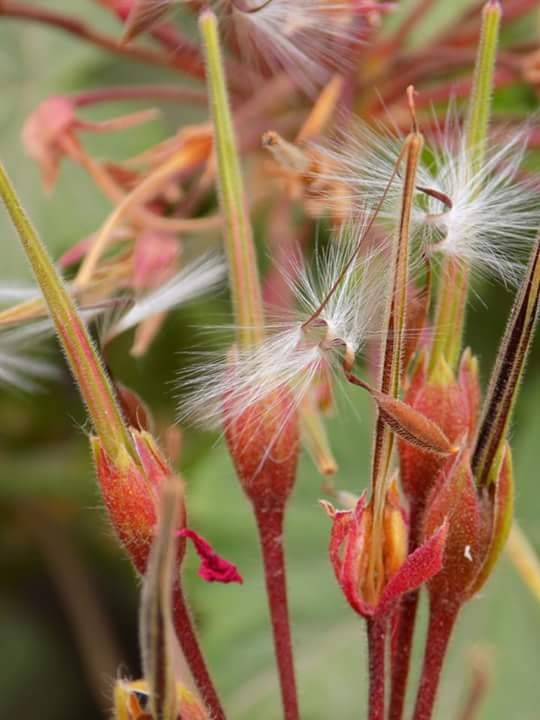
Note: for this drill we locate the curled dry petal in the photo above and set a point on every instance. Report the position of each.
(214, 568)
(350, 548)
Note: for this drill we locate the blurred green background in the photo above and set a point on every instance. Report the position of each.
(68, 598)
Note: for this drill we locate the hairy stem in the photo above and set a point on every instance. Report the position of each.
(270, 526)
(86, 365)
(441, 623)
(401, 658)
(402, 641)
(508, 371)
(187, 636)
(238, 237)
(376, 635)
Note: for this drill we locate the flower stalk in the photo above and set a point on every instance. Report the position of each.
(96, 388)
(262, 439)
(238, 236)
(450, 312)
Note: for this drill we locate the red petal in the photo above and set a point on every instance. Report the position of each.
(347, 529)
(213, 567)
(418, 568)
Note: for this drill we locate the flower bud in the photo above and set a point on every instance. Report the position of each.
(263, 441)
(452, 404)
(130, 495)
(456, 501)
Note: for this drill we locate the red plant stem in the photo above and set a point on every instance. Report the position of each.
(404, 632)
(442, 618)
(402, 653)
(138, 92)
(270, 526)
(376, 634)
(74, 26)
(187, 637)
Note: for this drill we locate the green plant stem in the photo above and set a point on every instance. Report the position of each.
(239, 246)
(86, 366)
(455, 274)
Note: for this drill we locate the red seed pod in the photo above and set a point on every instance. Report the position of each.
(456, 501)
(264, 444)
(131, 495)
(453, 405)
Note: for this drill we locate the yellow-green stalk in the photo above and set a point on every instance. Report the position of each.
(95, 386)
(453, 291)
(238, 237)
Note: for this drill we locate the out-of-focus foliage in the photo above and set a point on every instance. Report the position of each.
(54, 539)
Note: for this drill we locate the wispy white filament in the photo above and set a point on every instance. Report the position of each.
(307, 39)
(294, 353)
(194, 280)
(493, 216)
(490, 216)
(20, 367)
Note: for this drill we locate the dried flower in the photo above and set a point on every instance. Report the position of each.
(351, 553)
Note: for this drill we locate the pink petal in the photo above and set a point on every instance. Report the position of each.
(213, 567)
(418, 568)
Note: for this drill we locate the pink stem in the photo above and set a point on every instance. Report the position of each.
(138, 92)
(74, 26)
(270, 526)
(189, 643)
(376, 634)
(442, 618)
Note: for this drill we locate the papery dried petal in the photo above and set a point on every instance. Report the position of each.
(420, 566)
(213, 568)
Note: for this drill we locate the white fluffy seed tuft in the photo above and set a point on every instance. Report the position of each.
(308, 39)
(492, 217)
(326, 327)
(486, 219)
